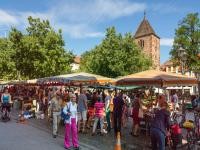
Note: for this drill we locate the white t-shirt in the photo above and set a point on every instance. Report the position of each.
(73, 110)
(107, 101)
(189, 116)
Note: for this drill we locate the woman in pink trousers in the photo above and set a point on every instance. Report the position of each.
(71, 123)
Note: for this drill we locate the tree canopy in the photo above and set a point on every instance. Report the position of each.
(187, 36)
(7, 65)
(115, 56)
(37, 53)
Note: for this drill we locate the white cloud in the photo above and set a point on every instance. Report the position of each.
(79, 31)
(7, 18)
(165, 8)
(77, 19)
(44, 16)
(97, 10)
(166, 42)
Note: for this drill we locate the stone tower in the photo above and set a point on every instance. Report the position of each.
(147, 39)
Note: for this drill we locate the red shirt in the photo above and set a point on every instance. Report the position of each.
(99, 109)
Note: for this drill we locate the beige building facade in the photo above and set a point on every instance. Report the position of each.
(149, 42)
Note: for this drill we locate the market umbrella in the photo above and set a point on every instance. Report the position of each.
(16, 82)
(76, 79)
(3, 82)
(112, 87)
(156, 78)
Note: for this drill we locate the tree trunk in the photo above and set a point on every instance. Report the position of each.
(198, 78)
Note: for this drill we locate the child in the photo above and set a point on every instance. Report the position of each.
(189, 114)
(21, 118)
(24, 115)
(99, 116)
(189, 117)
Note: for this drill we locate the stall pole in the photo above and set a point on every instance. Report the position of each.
(183, 101)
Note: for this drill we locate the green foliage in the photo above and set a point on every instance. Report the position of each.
(187, 36)
(7, 66)
(40, 52)
(115, 56)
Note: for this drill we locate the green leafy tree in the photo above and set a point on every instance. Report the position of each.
(7, 65)
(115, 56)
(187, 36)
(39, 52)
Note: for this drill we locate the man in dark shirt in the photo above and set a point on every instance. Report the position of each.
(159, 127)
(117, 112)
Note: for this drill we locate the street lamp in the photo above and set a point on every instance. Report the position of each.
(182, 56)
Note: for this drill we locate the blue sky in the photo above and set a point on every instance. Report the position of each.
(84, 21)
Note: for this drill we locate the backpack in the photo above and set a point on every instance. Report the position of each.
(65, 116)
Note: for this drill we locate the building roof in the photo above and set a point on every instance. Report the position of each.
(77, 59)
(167, 63)
(144, 29)
(156, 78)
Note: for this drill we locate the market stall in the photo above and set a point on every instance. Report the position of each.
(151, 79)
(156, 78)
(81, 78)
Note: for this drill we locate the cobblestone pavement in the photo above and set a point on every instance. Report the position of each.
(96, 142)
(15, 136)
(36, 127)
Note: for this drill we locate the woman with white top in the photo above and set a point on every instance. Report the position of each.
(71, 123)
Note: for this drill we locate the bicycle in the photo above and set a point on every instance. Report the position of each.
(197, 124)
(5, 114)
(190, 137)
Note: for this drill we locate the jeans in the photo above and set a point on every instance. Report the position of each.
(71, 130)
(56, 121)
(117, 122)
(157, 139)
(96, 119)
(108, 121)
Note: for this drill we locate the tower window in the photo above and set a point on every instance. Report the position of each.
(141, 43)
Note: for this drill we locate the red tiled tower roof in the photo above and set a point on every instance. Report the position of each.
(77, 59)
(144, 29)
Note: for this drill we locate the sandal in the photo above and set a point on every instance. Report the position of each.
(79, 131)
(76, 148)
(93, 134)
(84, 132)
(135, 135)
(131, 133)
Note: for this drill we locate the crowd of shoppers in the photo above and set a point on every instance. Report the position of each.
(103, 110)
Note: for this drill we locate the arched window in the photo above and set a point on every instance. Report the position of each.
(141, 43)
